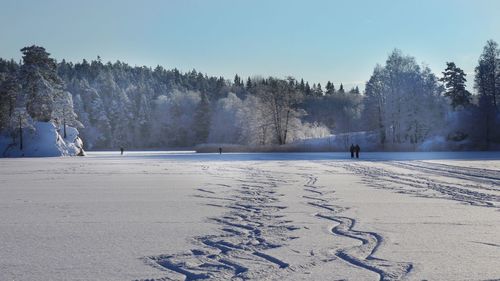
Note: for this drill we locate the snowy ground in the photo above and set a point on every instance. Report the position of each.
(288, 216)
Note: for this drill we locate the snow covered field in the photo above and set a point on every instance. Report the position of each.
(288, 216)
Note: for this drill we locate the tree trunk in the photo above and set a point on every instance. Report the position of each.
(286, 126)
(20, 134)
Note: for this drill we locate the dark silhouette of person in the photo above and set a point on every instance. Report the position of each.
(121, 150)
(358, 149)
(220, 150)
(351, 149)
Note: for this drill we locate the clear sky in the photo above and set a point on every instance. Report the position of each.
(332, 40)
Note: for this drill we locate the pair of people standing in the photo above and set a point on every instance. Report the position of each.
(355, 150)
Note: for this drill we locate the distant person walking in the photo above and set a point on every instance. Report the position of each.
(122, 150)
(358, 149)
(220, 150)
(351, 149)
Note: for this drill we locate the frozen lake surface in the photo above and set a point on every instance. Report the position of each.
(260, 216)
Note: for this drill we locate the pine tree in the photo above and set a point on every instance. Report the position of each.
(40, 82)
(249, 84)
(454, 81)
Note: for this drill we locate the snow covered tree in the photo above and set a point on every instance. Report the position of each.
(374, 103)
(202, 119)
(64, 113)
(256, 124)
(487, 78)
(40, 82)
(403, 101)
(142, 121)
(9, 89)
(227, 118)
(19, 121)
(174, 115)
(454, 81)
(487, 83)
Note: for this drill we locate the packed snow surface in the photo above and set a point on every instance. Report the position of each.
(259, 216)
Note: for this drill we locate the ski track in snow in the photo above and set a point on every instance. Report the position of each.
(250, 226)
(363, 255)
(485, 176)
(478, 187)
(252, 222)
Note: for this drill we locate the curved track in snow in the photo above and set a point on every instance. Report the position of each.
(362, 256)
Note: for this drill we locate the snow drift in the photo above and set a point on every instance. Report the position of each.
(44, 141)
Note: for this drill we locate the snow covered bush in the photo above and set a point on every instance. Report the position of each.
(45, 141)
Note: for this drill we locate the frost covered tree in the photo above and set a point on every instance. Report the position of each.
(175, 119)
(40, 82)
(140, 107)
(403, 101)
(256, 123)
(19, 121)
(227, 118)
(374, 103)
(9, 90)
(142, 121)
(487, 84)
(63, 113)
(487, 80)
(454, 82)
(202, 118)
(280, 101)
(91, 111)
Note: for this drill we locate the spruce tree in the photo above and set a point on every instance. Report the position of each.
(249, 84)
(341, 89)
(454, 82)
(330, 88)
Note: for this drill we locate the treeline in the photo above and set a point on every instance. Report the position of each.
(407, 104)
(139, 107)
(115, 104)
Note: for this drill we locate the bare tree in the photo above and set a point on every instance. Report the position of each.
(279, 100)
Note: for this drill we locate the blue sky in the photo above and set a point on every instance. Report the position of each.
(339, 41)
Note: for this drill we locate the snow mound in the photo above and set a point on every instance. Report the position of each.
(45, 141)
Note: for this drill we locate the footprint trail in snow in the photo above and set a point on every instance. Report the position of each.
(251, 225)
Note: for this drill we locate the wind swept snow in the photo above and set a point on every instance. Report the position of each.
(289, 216)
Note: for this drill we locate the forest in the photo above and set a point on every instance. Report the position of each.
(117, 105)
